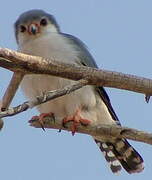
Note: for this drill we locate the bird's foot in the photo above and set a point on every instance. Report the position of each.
(77, 119)
(41, 117)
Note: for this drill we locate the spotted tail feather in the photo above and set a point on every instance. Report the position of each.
(121, 154)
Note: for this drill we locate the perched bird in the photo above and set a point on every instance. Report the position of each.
(37, 33)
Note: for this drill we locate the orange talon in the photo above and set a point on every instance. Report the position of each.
(77, 119)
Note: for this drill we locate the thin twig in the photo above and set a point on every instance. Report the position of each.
(47, 96)
(1, 120)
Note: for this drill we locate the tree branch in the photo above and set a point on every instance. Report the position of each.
(24, 64)
(11, 90)
(38, 65)
(111, 131)
(47, 96)
(99, 131)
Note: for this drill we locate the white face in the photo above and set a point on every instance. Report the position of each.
(34, 29)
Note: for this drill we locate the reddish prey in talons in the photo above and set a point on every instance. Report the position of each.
(41, 117)
(77, 119)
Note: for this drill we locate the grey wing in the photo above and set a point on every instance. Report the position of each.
(86, 59)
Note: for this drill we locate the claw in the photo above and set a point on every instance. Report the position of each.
(77, 119)
(42, 126)
(41, 117)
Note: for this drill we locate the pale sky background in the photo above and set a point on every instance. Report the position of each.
(119, 35)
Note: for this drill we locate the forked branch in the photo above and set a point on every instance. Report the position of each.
(22, 64)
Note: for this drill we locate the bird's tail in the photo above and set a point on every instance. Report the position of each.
(121, 154)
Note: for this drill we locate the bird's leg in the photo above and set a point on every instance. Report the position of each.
(41, 117)
(77, 119)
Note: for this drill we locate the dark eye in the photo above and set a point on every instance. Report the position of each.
(22, 28)
(43, 22)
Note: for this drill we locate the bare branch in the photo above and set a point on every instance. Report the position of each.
(25, 64)
(1, 121)
(99, 131)
(43, 98)
(32, 64)
(111, 131)
(11, 90)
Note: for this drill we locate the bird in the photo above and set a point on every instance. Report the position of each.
(38, 33)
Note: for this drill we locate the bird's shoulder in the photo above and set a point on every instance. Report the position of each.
(85, 56)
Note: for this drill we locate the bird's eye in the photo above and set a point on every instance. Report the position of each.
(22, 28)
(43, 22)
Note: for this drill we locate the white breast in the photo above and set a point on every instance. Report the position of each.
(54, 46)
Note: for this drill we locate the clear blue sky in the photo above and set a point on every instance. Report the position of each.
(119, 35)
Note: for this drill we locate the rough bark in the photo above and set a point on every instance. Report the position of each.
(22, 64)
(16, 61)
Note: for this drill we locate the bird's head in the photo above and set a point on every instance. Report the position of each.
(33, 24)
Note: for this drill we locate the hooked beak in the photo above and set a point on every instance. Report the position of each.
(33, 29)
